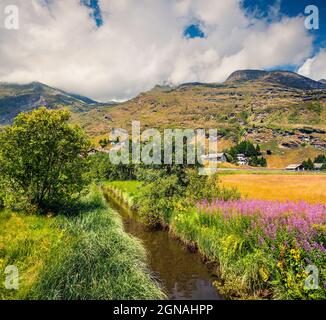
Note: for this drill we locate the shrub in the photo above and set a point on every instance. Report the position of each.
(207, 187)
(155, 203)
(43, 159)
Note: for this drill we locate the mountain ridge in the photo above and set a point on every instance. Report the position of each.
(281, 77)
(16, 98)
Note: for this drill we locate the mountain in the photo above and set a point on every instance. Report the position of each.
(269, 108)
(282, 111)
(15, 98)
(245, 75)
(322, 81)
(284, 78)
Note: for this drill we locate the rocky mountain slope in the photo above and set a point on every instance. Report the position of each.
(284, 78)
(15, 98)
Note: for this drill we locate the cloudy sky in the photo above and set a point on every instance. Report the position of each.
(115, 49)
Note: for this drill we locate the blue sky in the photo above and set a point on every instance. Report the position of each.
(290, 8)
(294, 8)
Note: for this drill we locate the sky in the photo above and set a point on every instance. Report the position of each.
(115, 49)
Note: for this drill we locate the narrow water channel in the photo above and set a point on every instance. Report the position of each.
(182, 273)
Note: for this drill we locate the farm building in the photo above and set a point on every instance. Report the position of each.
(215, 157)
(318, 166)
(295, 167)
(242, 160)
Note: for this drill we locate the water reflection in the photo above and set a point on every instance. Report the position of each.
(182, 273)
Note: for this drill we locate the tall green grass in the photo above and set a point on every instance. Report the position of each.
(25, 242)
(85, 255)
(99, 261)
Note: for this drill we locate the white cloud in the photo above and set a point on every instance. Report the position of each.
(141, 44)
(315, 67)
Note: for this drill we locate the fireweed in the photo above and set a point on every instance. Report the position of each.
(301, 221)
(292, 234)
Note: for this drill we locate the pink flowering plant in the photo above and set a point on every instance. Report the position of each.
(286, 237)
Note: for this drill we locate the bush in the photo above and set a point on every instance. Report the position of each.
(207, 188)
(155, 203)
(159, 199)
(43, 160)
(102, 168)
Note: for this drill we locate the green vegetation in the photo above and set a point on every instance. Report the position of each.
(254, 258)
(43, 160)
(248, 266)
(100, 261)
(81, 252)
(83, 256)
(26, 241)
(249, 150)
(309, 165)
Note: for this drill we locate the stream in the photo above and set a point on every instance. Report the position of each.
(181, 272)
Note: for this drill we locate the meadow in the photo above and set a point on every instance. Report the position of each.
(86, 255)
(261, 248)
(281, 187)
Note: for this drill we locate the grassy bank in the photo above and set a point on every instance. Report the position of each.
(85, 256)
(26, 242)
(262, 248)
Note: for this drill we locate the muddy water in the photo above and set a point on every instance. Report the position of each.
(182, 273)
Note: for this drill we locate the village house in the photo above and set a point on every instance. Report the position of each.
(318, 166)
(295, 167)
(242, 160)
(215, 157)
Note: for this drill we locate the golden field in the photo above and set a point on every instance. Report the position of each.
(282, 187)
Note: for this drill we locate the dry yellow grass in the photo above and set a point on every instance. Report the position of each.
(291, 156)
(311, 188)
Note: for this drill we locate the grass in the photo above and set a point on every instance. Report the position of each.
(251, 266)
(85, 256)
(310, 188)
(283, 157)
(26, 242)
(131, 187)
(257, 255)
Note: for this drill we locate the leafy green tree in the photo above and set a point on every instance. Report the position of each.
(320, 159)
(43, 159)
(208, 188)
(156, 202)
(102, 168)
(263, 162)
(258, 151)
(308, 165)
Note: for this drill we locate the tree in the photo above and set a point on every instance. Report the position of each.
(320, 159)
(103, 143)
(258, 151)
(308, 165)
(43, 159)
